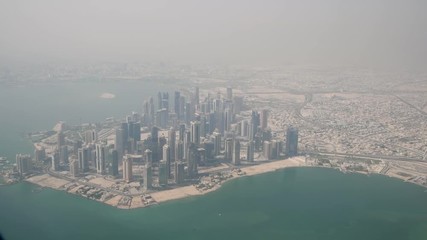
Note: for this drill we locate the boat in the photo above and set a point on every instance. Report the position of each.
(3, 159)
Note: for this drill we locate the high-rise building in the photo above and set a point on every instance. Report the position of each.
(192, 160)
(264, 119)
(171, 142)
(84, 158)
(236, 152)
(179, 151)
(162, 117)
(195, 132)
(255, 121)
(23, 164)
(217, 143)
(74, 167)
(179, 172)
(148, 156)
(228, 119)
(238, 104)
(188, 117)
(114, 162)
(244, 128)
(228, 144)
(291, 142)
(119, 144)
(163, 173)
(148, 176)
(63, 154)
(250, 151)
(76, 145)
(136, 134)
(60, 139)
(40, 154)
(55, 161)
(267, 148)
(177, 104)
(187, 142)
(197, 96)
(100, 158)
(167, 157)
(127, 168)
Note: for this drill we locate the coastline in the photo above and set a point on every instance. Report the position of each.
(158, 197)
(132, 202)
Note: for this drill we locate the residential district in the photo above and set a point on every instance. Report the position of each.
(190, 141)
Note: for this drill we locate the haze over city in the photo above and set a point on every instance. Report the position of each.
(378, 33)
(290, 119)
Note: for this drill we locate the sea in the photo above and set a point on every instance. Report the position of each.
(295, 203)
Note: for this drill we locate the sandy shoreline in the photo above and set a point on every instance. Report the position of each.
(132, 202)
(117, 200)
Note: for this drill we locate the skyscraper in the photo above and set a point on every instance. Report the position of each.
(195, 132)
(228, 145)
(217, 143)
(291, 141)
(60, 139)
(250, 151)
(264, 119)
(163, 173)
(127, 169)
(114, 162)
(167, 158)
(236, 152)
(197, 97)
(171, 142)
(148, 156)
(40, 154)
(119, 144)
(148, 176)
(55, 162)
(63, 154)
(23, 163)
(179, 172)
(177, 108)
(84, 158)
(100, 158)
(74, 167)
(267, 148)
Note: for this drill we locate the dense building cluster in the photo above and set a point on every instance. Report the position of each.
(199, 130)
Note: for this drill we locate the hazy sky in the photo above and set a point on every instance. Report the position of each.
(216, 31)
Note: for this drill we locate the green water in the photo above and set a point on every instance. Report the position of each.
(300, 203)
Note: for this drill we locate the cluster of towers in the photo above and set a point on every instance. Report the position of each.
(195, 131)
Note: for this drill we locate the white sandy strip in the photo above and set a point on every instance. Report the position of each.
(136, 202)
(176, 193)
(47, 181)
(114, 201)
(208, 170)
(273, 166)
(188, 191)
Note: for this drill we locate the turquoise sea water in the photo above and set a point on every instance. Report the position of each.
(300, 203)
(297, 203)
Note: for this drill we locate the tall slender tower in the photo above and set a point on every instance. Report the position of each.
(236, 152)
(100, 158)
(291, 142)
(167, 157)
(127, 169)
(195, 132)
(171, 142)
